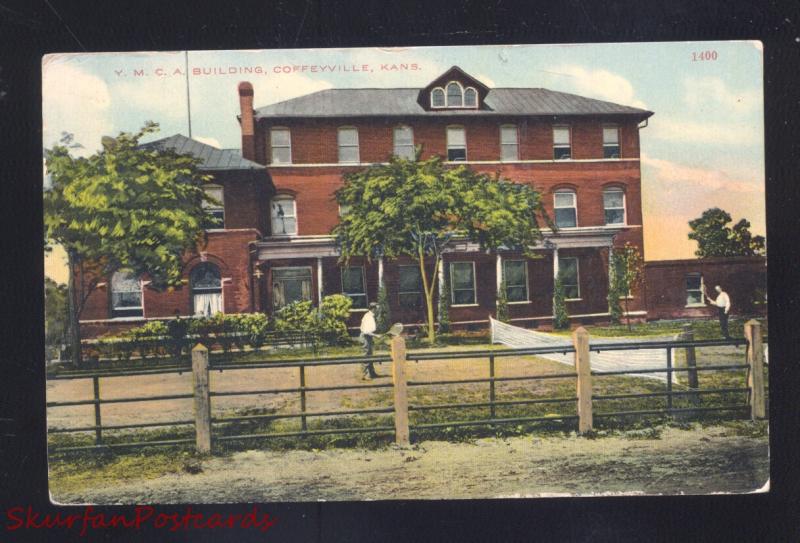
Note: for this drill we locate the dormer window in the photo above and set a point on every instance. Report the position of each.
(470, 97)
(437, 98)
(455, 95)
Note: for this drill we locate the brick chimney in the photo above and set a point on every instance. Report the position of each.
(247, 121)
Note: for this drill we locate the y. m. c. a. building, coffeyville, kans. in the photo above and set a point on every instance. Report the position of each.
(275, 246)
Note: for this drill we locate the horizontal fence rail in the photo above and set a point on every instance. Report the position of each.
(209, 428)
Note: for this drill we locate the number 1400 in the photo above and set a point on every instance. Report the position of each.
(704, 55)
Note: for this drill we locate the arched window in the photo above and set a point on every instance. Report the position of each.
(470, 97)
(614, 206)
(437, 97)
(455, 96)
(126, 295)
(206, 285)
(565, 205)
(284, 216)
(404, 142)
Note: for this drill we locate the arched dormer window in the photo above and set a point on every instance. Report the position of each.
(437, 97)
(455, 95)
(470, 97)
(206, 284)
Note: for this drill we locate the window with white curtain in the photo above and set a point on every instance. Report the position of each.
(289, 285)
(456, 144)
(206, 286)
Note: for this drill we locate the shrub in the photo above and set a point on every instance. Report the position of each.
(502, 303)
(560, 315)
(333, 314)
(297, 316)
(383, 315)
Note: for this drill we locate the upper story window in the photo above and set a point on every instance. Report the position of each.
(216, 209)
(509, 142)
(348, 144)
(614, 206)
(404, 142)
(126, 295)
(284, 216)
(281, 142)
(610, 142)
(437, 97)
(562, 146)
(470, 97)
(455, 95)
(456, 144)
(354, 286)
(565, 205)
(694, 290)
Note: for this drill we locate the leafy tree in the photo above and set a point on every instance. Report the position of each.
(127, 206)
(502, 303)
(417, 208)
(55, 313)
(560, 315)
(383, 315)
(715, 238)
(627, 273)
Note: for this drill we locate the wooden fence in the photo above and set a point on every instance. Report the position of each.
(583, 400)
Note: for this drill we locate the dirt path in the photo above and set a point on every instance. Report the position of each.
(697, 461)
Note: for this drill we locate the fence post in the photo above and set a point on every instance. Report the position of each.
(400, 391)
(202, 404)
(691, 363)
(303, 421)
(755, 378)
(580, 339)
(98, 432)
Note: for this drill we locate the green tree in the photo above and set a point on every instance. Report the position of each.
(383, 315)
(55, 313)
(715, 238)
(416, 208)
(502, 303)
(614, 292)
(628, 273)
(444, 308)
(126, 206)
(560, 315)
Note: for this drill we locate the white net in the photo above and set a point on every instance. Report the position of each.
(633, 359)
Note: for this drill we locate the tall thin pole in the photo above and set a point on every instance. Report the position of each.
(188, 101)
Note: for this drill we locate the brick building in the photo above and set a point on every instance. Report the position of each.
(279, 208)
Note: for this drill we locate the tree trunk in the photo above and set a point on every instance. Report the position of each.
(74, 325)
(428, 296)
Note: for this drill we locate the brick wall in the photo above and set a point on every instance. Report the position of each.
(743, 278)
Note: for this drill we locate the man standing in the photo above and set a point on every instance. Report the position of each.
(368, 327)
(723, 303)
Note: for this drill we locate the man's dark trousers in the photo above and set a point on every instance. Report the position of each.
(367, 368)
(723, 323)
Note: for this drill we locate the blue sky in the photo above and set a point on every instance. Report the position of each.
(704, 146)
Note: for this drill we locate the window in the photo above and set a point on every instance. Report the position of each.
(215, 211)
(566, 209)
(281, 142)
(515, 276)
(290, 285)
(568, 267)
(455, 96)
(610, 142)
(509, 143)
(206, 285)
(614, 206)
(470, 97)
(437, 98)
(462, 281)
(456, 144)
(404, 142)
(561, 143)
(343, 210)
(284, 216)
(353, 286)
(348, 145)
(126, 295)
(694, 290)
(410, 288)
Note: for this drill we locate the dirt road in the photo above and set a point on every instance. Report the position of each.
(696, 461)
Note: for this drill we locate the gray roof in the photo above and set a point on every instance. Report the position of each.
(403, 102)
(212, 159)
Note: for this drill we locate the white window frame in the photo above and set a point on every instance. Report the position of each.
(464, 97)
(624, 207)
(527, 299)
(702, 302)
(605, 144)
(351, 294)
(294, 214)
(447, 95)
(212, 208)
(339, 145)
(447, 138)
(444, 98)
(310, 278)
(474, 285)
(400, 293)
(574, 205)
(273, 146)
(515, 144)
(139, 308)
(394, 141)
(577, 276)
(561, 145)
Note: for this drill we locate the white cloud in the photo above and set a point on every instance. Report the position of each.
(705, 132)
(673, 175)
(162, 99)
(600, 84)
(208, 141)
(76, 102)
(713, 91)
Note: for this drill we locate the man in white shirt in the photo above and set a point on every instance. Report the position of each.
(723, 303)
(368, 328)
